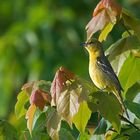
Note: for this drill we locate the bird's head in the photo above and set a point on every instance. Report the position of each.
(94, 47)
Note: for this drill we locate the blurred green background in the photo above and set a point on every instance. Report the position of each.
(38, 36)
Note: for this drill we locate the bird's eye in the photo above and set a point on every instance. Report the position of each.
(90, 43)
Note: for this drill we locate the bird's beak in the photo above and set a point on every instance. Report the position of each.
(83, 44)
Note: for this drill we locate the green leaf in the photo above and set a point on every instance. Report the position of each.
(122, 45)
(80, 119)
(135, 136)
(101, 128)
(43, 85)
(53, 123)
(130, 73)
(65, 135)
(132, 22)
(119, 51)
(84, 136)
(133, 107)
(19, 107)
(108, 106)
(32, 115)
(132, 92)
(36, 136)
(106, 31)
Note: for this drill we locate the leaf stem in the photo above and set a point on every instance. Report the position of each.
(122, 23)
(126, 120)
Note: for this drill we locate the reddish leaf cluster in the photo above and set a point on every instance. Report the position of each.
(59, 83)
(38, 96)
(107, 11)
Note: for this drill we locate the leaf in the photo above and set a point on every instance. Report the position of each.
(19, 107)
(28, 87)
(101, 128)
(108, 106)
(122, 45)
(130, 73)
(53, 123)
(119, 51)
(43, 85)
(133, 107)
(132, 92)
(40, 98)
(132, 22)
(135, 136)
(104, 33)
(30, 117)
(97, 137)
(65, 135)
(58, 85)
(80, 119)
(86, 88)
(68, 103)
(83, 136)
(106, 12)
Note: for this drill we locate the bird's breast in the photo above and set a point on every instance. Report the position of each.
(96, 76)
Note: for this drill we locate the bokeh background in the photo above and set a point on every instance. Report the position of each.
(38, 36)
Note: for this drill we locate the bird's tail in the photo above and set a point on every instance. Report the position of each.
(120, 98)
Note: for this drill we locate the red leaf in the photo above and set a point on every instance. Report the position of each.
(107, 11)
(39, 98)
(59, 83)
(106, 4)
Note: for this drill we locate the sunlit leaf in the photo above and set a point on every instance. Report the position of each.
(19, 107)
(53, 123)
(59, 83)
(68, 102)
(119, 51)
(104, 33)
(106, 12)
(30, 117)
(108, 106)
(83, 136)
(80, 119)
(97, 137)
(130, 73)
(122, 45)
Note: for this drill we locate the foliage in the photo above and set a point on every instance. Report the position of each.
(66, 107)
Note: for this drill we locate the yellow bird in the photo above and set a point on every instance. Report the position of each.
(101, 71)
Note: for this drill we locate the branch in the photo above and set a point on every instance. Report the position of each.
(126, 120)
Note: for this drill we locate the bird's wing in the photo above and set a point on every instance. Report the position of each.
(105, 66)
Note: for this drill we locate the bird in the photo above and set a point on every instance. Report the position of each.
(101, 71)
